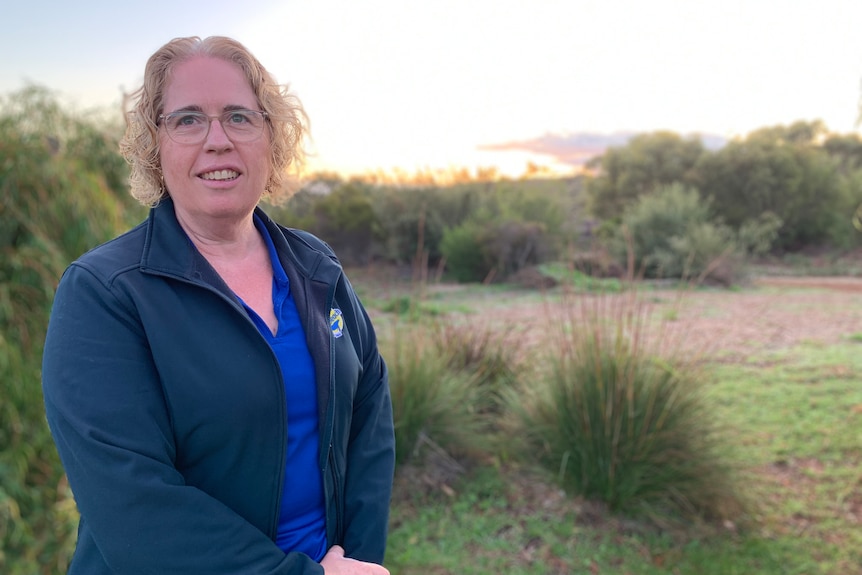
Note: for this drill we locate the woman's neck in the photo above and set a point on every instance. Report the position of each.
(223, 240)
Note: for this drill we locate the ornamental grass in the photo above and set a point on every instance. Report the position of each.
(619, 412)
(435, 404)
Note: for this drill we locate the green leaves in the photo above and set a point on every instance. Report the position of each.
(62, 192)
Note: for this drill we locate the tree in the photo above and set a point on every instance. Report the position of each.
(345, 219)
(647, 162)
(779, 170)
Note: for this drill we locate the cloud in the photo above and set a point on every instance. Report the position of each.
(578, 148)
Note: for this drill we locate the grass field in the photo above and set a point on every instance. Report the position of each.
(785, 362)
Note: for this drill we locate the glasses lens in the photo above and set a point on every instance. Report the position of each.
(187, 127)
(242, 125)
(193, 127)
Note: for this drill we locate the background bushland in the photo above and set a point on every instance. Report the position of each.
(62, 191)
(780, 190)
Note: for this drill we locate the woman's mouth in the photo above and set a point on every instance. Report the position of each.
(220, 175)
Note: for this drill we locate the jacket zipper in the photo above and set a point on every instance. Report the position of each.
(330, 425)
(273, 524)
(336, 493)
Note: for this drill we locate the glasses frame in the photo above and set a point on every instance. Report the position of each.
(210, 119)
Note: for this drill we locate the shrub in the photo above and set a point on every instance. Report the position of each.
(485, 353)
(573, 277)
(414, 220)
(462, 248)
(757, 235)
(514, 245)
(60, 195)
(780, 170)
(641, 166)
(618, 422)
(671, 235)
(346, 220)
(432, 402)
(495, 250)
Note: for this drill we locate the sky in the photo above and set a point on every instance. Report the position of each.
(439, 84)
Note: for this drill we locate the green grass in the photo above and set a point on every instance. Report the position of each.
(800, 417)
(497, 521)
(579, 280)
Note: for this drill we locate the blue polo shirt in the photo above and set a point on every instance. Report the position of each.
(302, 522)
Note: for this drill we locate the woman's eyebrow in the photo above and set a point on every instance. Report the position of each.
(192, 108)
(196, 108)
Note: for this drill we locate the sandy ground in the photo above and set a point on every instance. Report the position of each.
(775, 313)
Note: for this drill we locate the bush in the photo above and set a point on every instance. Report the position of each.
(671, 235)
(757, 235)
(60, 195)
(463, 251)
(414, 220)
(495, 250)
(483, 352)
(345, 219)
(514, 245)
(617, 422)
(646, 163)
(780, 170)
(433, 403)
(573, 277)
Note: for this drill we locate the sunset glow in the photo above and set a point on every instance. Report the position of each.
(448, 84)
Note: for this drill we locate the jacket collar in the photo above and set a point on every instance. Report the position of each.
(168, 250)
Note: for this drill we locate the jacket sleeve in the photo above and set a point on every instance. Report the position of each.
(112, 428)
(370, 455)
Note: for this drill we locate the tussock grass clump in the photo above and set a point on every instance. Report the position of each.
(482, 352)
(433, 403)
(621, 420)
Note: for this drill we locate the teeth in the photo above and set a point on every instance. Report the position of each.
(220, 175)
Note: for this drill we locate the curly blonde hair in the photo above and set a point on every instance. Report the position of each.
(287, 121)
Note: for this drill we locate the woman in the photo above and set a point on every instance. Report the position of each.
(211, 380)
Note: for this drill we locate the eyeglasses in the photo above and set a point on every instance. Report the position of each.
(187, 127)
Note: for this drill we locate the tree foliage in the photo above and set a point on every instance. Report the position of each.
(347, 221)
(647, 162)
(61, 183)
(486, 251)
(801, 175)
(478, 226)
(671, 233)
(779, 170)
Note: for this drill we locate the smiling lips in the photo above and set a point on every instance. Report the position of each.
(220, 175)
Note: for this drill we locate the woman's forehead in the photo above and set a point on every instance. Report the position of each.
(208, 84)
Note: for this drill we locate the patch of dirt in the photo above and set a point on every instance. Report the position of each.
(777, 313)
(830, 283)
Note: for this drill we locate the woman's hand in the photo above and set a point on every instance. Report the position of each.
(335, 563)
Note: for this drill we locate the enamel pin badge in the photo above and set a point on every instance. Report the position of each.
(336, 322)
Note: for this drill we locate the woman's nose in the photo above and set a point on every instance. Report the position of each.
(217, 138)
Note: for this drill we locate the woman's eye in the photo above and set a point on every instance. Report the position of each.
(187, 120)
(238, 118)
